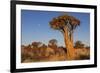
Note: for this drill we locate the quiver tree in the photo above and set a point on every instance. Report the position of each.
(66, 24)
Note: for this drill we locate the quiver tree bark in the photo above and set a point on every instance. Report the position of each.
(66, 24)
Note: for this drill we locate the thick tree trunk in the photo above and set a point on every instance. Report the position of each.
(69, 45)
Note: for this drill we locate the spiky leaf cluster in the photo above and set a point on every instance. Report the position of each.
(63, 20)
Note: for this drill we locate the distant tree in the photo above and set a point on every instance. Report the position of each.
(36, 44)
(79, 44)
(44, 46)
(63, 48)
(53, 43)
(87, 47)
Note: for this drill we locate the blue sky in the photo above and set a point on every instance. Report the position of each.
(35, 27)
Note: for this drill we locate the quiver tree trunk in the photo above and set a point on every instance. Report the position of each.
(69, 44)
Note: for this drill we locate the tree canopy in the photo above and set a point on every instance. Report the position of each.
(53, 42)
(60, 22)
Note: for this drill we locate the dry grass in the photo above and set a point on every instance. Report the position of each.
(29, 54)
